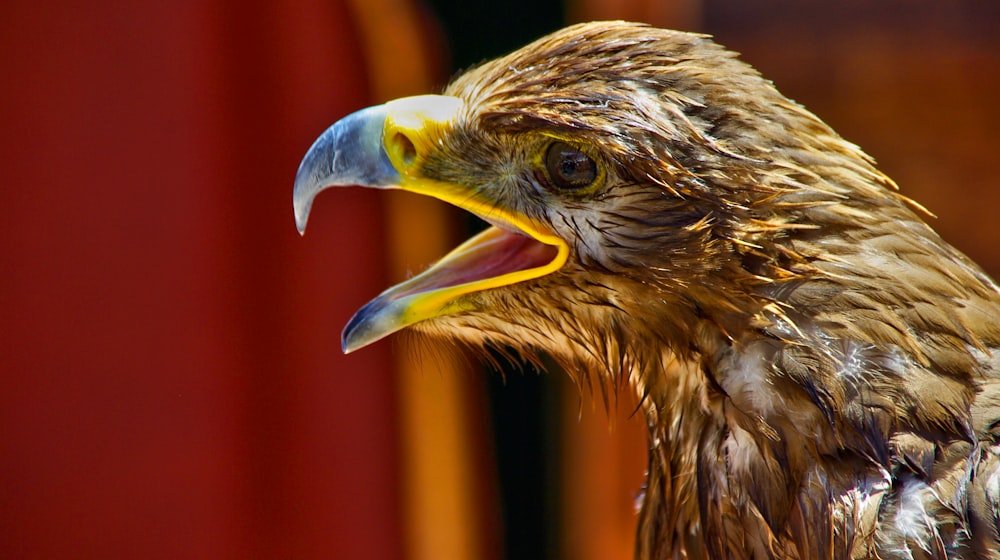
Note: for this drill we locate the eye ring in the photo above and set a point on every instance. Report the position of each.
(568, 168)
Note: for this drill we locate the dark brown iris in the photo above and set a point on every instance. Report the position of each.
(569, 168)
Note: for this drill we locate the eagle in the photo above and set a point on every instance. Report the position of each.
(818, 370)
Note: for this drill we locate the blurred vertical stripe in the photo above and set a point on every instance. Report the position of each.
(605, 458)
(447, 502)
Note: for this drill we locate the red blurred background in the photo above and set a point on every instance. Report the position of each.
(172, 380)
(172, 385)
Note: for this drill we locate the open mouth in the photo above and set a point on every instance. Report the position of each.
(494, 258)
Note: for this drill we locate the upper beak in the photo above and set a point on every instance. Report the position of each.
(371, 147)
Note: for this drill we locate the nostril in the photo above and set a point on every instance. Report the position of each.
(406, 148)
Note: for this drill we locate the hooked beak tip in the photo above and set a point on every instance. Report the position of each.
(350, 152)
(301, 217)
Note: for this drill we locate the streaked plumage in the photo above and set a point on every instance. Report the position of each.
(820, 371)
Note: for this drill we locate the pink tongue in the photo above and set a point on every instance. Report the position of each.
(492, 253)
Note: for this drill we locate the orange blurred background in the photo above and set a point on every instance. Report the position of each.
(171, 384)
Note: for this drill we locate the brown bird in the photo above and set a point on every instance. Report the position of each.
(819, 370)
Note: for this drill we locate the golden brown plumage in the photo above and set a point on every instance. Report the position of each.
(820, 371)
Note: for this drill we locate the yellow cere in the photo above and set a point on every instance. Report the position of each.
(414, 124)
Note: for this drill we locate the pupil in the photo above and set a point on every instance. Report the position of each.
(570, 168)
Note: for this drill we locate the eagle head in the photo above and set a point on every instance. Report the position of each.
(627, 178)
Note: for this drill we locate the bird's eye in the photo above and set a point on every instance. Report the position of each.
(568, 168)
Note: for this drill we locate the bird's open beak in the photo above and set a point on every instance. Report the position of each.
(385, 147)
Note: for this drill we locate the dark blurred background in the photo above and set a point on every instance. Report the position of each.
(172, 385)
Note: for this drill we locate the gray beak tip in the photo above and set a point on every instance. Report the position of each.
(348, 153)
(301, 216)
